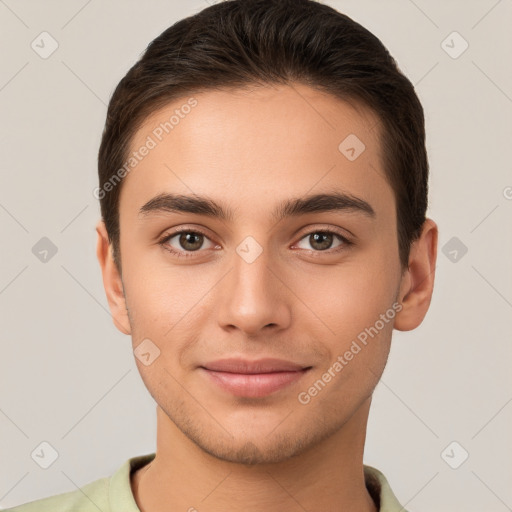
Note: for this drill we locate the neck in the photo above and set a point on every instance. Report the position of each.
(326, 476)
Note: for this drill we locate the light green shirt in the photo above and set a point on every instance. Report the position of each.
(114, 494)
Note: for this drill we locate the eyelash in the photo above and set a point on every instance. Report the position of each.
(190, 254)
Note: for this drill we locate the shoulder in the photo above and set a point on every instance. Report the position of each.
(107, 494)
(89, 498)
(380, 490)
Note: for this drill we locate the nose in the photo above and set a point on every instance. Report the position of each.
(254, 297)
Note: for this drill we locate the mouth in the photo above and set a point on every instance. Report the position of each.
(253, 379)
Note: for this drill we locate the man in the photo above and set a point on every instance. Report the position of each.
(263, 188)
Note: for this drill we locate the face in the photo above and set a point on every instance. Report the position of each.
(315, 287)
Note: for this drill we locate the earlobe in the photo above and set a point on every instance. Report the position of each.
(112, 281)
(418, 281)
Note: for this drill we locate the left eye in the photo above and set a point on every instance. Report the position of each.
(323, 240)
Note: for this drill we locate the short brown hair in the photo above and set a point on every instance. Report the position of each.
(236, 43)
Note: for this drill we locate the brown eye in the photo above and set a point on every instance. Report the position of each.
(190, 240)
(184, 243)
(322, 240)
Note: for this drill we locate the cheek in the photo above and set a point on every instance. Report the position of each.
(167, 306)
(349, 297)
(157, 293)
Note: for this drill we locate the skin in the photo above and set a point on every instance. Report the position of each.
(250, 149)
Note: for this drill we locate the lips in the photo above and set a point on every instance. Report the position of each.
(250, 367)
(253, 379)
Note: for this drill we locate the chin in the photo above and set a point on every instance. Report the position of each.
(250, 453)
(254, 447)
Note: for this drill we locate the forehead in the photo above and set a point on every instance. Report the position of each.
(225, 115)
(257, 143)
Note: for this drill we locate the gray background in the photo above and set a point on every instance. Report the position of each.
(68, 377)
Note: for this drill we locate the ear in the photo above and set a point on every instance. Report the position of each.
(417, 282)
(112, 281)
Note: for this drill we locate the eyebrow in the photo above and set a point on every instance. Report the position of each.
(326, 202)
